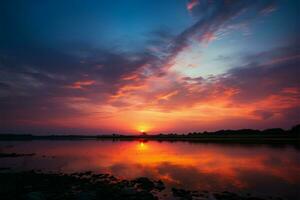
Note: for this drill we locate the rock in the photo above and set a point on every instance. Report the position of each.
(86, 196)
(144, 184)
(182, 194)
(87, 173)
(34, 196)
(232, 196)
(144, 195)
(128, 191)
(159, 185)
(82, 186)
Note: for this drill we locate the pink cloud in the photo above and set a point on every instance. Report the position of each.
(81, 84)
(207, 37)
(191, 4)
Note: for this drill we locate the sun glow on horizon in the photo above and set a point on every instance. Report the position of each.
(142, 129)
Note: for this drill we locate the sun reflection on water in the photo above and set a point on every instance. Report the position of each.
(142, 146)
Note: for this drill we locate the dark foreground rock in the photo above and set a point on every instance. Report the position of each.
(182, 194)
(79, 186)
(33, 185)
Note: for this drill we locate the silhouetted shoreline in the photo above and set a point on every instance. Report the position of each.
(242, 135)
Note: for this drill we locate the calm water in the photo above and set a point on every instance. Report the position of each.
(259, 169)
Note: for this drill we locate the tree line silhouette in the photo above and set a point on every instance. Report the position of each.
(293, 133)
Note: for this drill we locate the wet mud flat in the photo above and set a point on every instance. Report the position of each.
(37, 185)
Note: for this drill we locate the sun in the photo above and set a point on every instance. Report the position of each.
(143, 129)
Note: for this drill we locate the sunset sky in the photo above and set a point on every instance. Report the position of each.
(122, 66)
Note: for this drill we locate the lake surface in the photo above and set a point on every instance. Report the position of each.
(258, 169)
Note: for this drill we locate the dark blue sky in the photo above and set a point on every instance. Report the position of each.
(98, 23)
(73, 65)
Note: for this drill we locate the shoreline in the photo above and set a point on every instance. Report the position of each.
(273, 135)
(37, 185)
(212, 139)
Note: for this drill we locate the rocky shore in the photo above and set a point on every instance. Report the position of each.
(35, 185)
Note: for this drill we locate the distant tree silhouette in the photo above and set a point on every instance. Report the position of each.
(144, 133)
(274, 131)
(293, 133)
(295, 129)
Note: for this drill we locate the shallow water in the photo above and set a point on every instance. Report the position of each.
(258, 169)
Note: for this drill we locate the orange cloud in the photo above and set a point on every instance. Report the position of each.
(168, 95)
